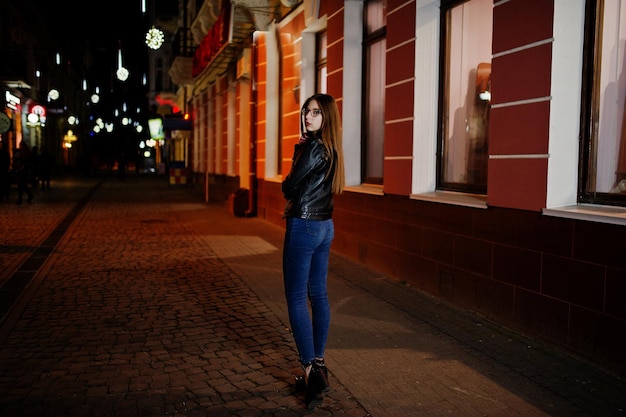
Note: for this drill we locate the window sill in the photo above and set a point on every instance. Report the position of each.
(365, 189)
(458, 199)
(590, 212)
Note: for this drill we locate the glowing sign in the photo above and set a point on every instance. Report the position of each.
(38, 110)
(156, 129)
(12, 101)
(213, 41)
(70, 137)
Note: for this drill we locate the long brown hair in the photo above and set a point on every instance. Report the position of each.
(330, 134)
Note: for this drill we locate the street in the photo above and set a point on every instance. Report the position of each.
(137, 298)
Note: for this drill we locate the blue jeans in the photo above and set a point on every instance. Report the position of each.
(305, 270)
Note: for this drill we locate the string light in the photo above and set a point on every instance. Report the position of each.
(122, 73)
(53, 94)
(155, 38)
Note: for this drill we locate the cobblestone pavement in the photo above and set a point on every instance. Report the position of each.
(137, 298)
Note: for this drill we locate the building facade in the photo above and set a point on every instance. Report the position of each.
(40, 100)
(485, 142)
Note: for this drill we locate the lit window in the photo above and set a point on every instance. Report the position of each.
(466, 73)
(375, 45)
(604, 94)
(320, 62)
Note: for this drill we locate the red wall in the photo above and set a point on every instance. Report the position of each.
(558, 279)
(398, 147)
(518, 130)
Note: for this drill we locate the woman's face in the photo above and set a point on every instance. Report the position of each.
(312, 117)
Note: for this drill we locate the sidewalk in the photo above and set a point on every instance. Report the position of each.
(139, 299)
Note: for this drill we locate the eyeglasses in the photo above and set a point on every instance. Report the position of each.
(314, 112)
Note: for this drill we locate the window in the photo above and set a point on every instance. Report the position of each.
(374, 49)
(320, 62)
(603, 123)
(463, 143)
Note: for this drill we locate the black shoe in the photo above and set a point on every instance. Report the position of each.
(324, 385)
(314, 384)
(300, 384)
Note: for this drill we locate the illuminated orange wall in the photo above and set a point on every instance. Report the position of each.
(334, 52)
(222, 101)
(238, 129)
(291, 50)
(260, 77)
(205, 130)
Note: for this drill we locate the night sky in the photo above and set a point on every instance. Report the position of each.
(91, 34)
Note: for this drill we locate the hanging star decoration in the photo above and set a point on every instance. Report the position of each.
(155, 38)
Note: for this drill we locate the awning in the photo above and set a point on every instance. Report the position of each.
(14, 83)
(242, 19)
(176, 122)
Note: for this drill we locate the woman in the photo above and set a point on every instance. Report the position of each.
(317, 174)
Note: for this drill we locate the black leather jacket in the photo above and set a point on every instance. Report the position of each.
(307, 188)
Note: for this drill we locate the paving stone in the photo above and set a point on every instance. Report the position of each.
(147, 301)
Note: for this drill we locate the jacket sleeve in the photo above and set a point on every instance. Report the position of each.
(311, 158)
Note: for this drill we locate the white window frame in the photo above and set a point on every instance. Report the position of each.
(563, 164)
(426, 92)
(352, 87)
(272, 98)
